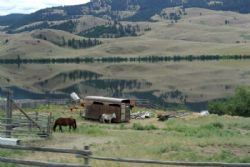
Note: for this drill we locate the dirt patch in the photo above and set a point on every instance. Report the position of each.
(67, 140)
(239, 151)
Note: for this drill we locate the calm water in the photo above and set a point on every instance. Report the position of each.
(163, 84)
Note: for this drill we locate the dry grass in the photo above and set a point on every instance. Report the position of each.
(199, 32)
(192, 138)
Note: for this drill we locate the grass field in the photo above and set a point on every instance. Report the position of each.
(190, 138)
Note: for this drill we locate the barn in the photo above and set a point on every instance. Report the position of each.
(95, 106)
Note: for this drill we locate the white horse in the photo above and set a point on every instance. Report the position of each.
(107, 117)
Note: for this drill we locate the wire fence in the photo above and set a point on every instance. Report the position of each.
(29, 103)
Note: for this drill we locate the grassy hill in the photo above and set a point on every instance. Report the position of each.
(136, 10)
(198, 32)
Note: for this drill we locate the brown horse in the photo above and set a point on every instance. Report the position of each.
(65, 122)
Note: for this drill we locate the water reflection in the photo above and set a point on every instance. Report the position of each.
(166, 84)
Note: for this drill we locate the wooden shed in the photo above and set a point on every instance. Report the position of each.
(98, 105)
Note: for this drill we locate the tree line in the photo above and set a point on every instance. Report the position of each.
(146, 59)
(116, 87)
(72, 43)
(84, 43)
(73, 75)
(113, 30)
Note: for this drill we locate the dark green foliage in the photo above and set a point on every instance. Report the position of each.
(238, 105)
(148, 8)
(175, 94)
(73, 43)
(174, 16)
(147, 59)
(144, 15)
(74, 75)
(116, 87)
(111, 31)
(8, 19)
(78, 44)
(66, 26)
(119, 5)
(30, 28)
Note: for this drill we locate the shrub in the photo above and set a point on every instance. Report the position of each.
(238, 105)
(139, 126)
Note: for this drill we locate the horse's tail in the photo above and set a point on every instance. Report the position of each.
(54, 127)
(74, 126)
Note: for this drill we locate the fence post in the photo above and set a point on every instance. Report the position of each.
(8, 115)
(86, 157)
(49, 132)
(36, 116)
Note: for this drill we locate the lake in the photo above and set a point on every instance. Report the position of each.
(165, 84)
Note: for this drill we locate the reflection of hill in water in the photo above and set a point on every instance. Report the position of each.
(108, 87)
(164, 84)
(65, 78)
(20, 93)
(154, 101)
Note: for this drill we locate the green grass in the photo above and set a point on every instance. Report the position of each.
(138, 126)
(213, 128)
(2, 114)
(91, 130)
(245, 36)
(10, 153)
(212, 138)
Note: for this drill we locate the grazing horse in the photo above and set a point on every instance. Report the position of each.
(107, 117)
(65, 122)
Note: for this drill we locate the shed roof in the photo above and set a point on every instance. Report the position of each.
(107, 99)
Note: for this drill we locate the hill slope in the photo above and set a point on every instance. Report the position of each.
(198, 32)
(130, 10)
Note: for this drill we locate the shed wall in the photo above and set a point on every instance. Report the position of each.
(94, 111)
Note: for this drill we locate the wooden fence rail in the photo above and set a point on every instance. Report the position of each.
(82, 153)
(37, 163)
(175, 163)
(87, 155)
(44, 149)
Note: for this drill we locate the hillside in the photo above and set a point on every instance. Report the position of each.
(136, 10)
(198, 32)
